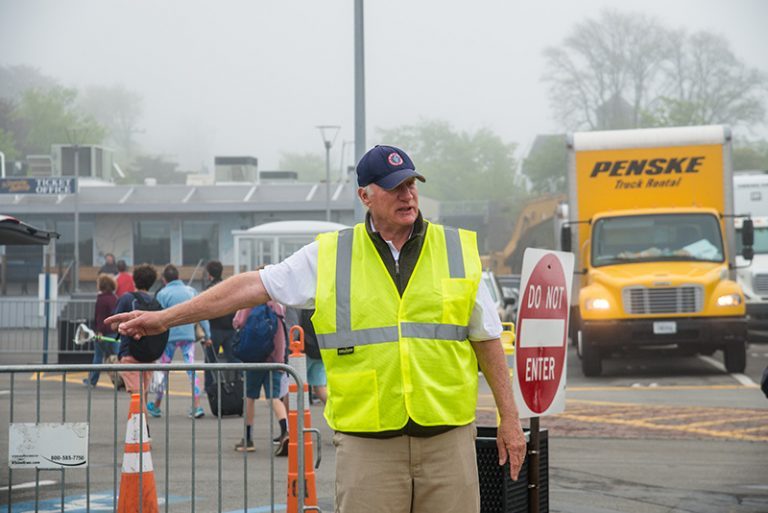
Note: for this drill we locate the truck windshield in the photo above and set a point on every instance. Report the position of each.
(657, 238)
(761, 241)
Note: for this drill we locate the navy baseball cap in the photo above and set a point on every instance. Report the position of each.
(386, 166)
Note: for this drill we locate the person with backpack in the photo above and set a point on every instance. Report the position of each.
(144, 276)
(262, 329)
(181, 337)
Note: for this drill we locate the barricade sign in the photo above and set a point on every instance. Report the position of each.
(48, 445)
(542, 332)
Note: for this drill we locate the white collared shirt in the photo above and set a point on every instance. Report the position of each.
(293, 282)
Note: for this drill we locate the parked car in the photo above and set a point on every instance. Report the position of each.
(506, 306)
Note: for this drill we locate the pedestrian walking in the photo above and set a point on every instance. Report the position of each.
(109, 266)
(144, 276)
(181, 337)
(222, 332)
(269, 381)
(125, 281)
(105, 305)
(403, 321)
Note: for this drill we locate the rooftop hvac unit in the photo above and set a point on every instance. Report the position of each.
(91, 160)
(236, 169)
(39, 166)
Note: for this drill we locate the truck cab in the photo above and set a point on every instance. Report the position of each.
(655, 278)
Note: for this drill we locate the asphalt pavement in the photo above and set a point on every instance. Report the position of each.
(654, 434)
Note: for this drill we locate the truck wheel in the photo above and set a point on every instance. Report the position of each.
(735, 357)
(591, 360)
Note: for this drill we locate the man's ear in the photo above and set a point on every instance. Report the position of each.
(363, 195)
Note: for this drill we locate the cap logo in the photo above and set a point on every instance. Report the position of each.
(395, 159)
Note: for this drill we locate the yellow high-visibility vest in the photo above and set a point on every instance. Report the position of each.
(390, 358)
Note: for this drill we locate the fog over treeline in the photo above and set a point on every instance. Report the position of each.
(176, 83)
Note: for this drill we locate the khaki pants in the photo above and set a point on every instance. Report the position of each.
(408, 474)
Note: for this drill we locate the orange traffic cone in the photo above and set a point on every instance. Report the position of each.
(298, 361)
(137, 482)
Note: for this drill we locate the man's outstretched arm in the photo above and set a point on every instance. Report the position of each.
(240, 291)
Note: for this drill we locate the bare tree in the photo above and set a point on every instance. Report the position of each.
(706, 83)
(627, 70)
(601, 75)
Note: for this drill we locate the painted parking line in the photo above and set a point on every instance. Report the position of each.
(741, 378)
(633, 420)
(30, 484)
(76, 378)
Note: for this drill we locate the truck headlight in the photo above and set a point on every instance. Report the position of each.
(729, 300)
(597, 303)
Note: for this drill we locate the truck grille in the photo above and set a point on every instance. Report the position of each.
(761, 284)
(666, 300)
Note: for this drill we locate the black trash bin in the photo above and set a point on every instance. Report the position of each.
(69, 352)
(498, 493)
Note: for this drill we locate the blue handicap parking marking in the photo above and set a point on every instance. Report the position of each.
(101, 501)
(260, 509)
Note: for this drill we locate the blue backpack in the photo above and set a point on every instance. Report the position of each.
(255, 341)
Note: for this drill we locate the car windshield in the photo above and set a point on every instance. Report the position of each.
(761, 241)
(491, 286)
(657, 238)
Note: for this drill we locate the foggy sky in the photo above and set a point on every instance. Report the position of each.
(255, 77)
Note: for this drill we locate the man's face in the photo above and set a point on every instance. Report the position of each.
(398, 206)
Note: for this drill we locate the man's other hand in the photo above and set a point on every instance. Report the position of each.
(510, 441)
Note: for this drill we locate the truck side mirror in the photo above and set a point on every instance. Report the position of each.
(748, 252)
(565, 238)
(748, 233)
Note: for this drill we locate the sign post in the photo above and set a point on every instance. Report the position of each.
(541, 346)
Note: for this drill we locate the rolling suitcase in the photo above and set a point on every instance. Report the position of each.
(231, 388)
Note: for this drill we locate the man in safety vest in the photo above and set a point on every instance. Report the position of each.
(402, 320)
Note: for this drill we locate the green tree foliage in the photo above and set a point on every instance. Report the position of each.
(750, 155)
(546, 164)
(310, 166)
(628, 70)
(459, 165)
(154, 166)
(8, 145)
(51, 118)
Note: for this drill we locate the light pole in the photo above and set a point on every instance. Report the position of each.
(329, 134)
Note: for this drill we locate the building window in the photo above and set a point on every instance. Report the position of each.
(152, 242)
(65, 245)
(200, 241)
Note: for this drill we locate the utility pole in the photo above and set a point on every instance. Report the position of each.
(76, 264)
(360, 143)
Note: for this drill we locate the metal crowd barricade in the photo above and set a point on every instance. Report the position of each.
(58, 400)
(43, 330)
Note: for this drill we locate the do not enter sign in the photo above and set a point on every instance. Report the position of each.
(542, 332)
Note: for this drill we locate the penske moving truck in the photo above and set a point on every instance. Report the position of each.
(750, 195)
(651, 225)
